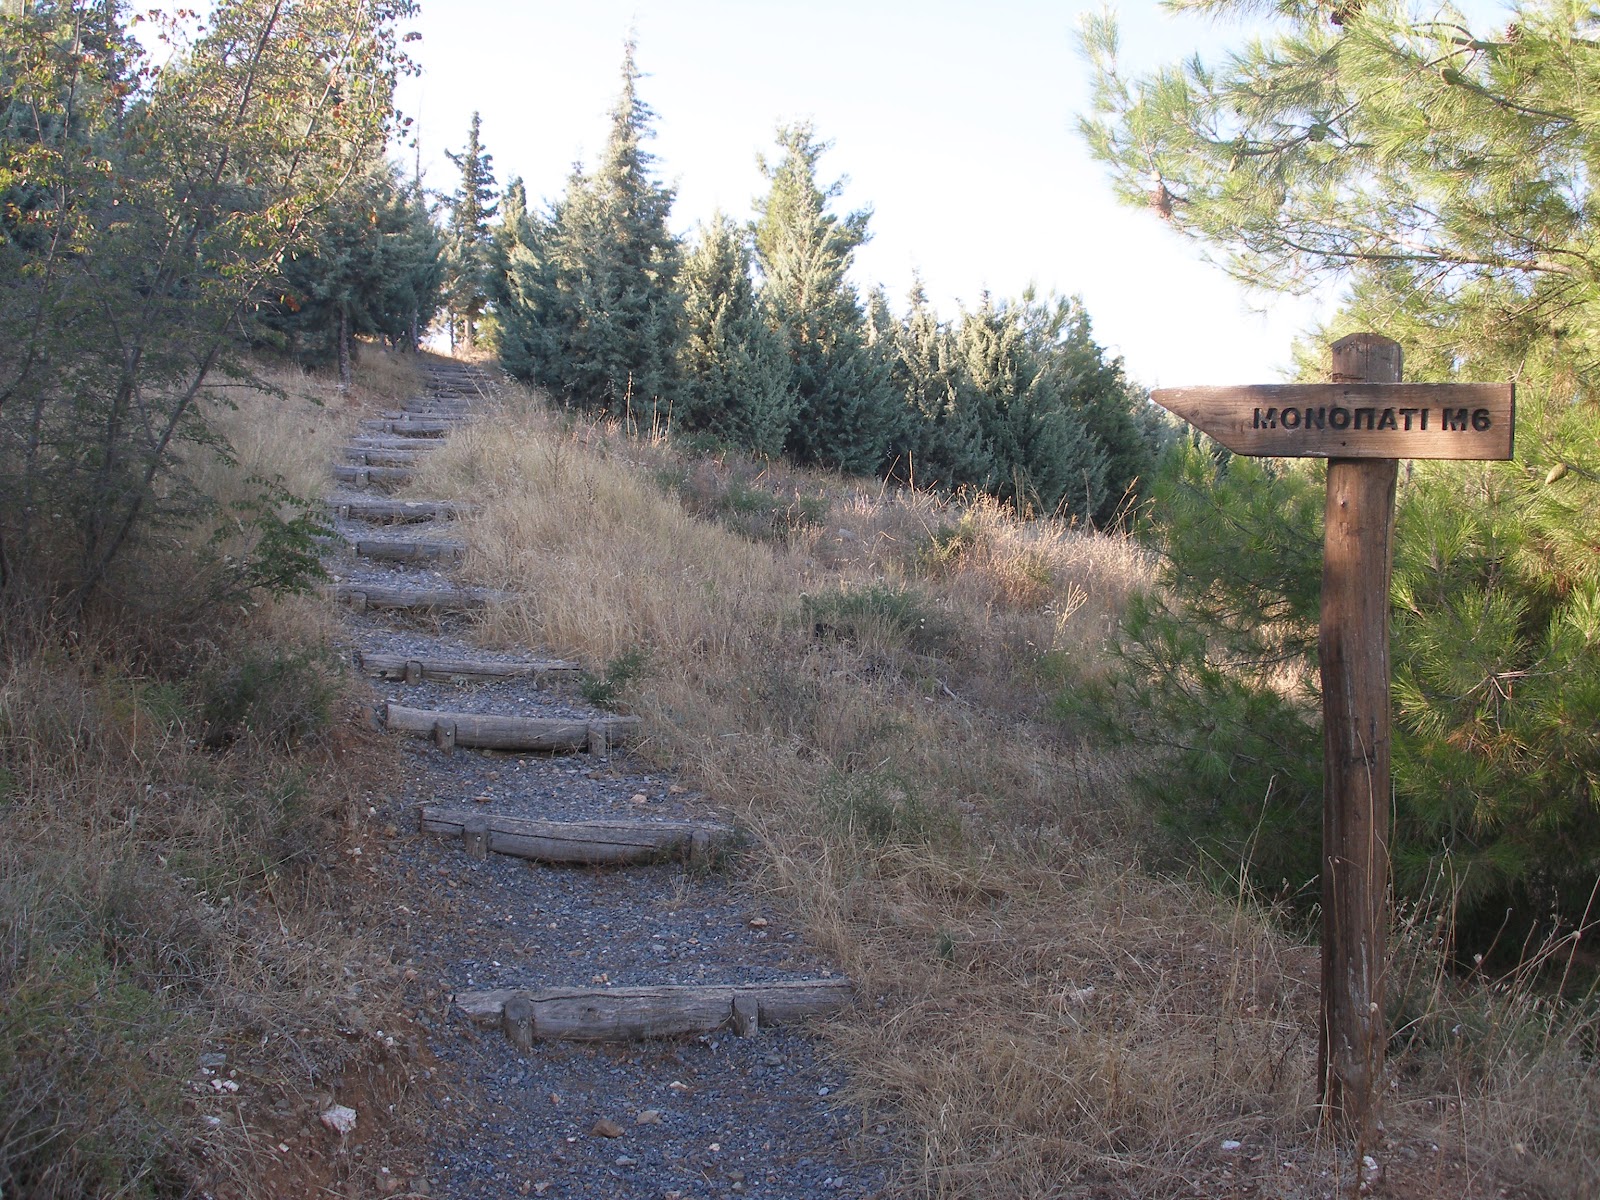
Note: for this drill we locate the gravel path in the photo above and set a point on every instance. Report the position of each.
(699, 1116)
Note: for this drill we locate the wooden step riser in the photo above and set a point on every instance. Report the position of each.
(632, 1014)
(423, 428)
(371, 456)
(491, 731)
(594, 843)
(383, 478)
(365, 596)
(401, 512)
(459, 670)
(381, 551)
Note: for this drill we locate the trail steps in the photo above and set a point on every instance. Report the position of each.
(383, 454)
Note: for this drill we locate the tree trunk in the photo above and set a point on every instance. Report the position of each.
(344, 347)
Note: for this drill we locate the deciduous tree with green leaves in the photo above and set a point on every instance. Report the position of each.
(1444, 174)
(143, 214)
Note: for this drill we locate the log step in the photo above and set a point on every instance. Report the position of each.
(492, 731)
(379, 456)
(381, 477)
(364, 596)
(412, 427)
(401, 512)
(465, 670)
(384, 550)
(626, 1014)
(592, 842)
(385, 441)
(450, 420)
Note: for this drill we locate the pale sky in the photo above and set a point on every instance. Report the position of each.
(955, 122)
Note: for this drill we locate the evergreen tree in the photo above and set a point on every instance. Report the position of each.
(467, 239)
(845, 403)
(1043, 458)
(942, 443)
(735, 374)
(594, 312)
(374, 267)
(1093, 387)
(1445, 175)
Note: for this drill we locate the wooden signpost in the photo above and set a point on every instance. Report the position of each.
(1362, 422)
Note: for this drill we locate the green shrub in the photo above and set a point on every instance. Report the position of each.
(878, 611)
(279, 699)
(882, 808)
(606, 691)
(1496, 695)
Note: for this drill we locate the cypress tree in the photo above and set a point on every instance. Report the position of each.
(1044, 456)
(942, 443)
(594, 312)
(845, 402)
(467, 239)
(735, 375)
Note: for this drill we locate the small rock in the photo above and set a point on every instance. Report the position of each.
(605, 1127)
(623, 1160)
(758, 922)
(340, 1118)
(1231, 1147)
(650, 1116)
(640, 798)
(676, 789)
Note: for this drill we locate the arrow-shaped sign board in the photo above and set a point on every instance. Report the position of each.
(1353, 420)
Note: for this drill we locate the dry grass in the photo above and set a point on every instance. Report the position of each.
(177, 995)
(858, 673)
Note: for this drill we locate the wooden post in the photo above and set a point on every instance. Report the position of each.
(517, 1020)
(1363, 422)
(475, 837)
(746, 1015)
(1353, 646)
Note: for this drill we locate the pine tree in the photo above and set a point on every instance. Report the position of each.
(845, 402)
(467, 238)
(1444, 175)
(735, 375)
(594, 312)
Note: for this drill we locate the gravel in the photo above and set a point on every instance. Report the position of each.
(699, 1116)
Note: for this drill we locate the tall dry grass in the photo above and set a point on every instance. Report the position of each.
(860, 674)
